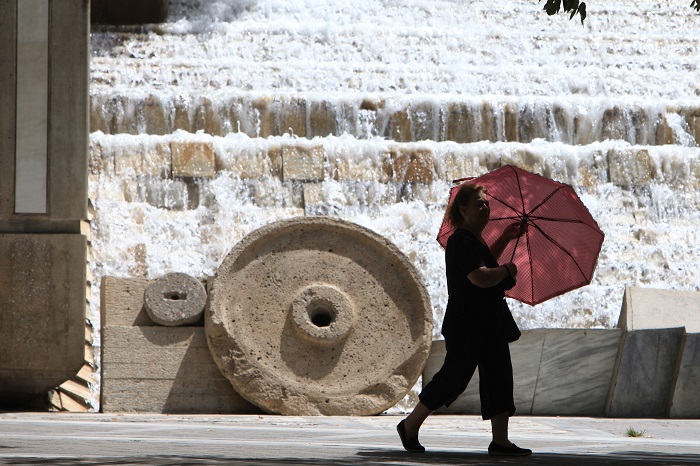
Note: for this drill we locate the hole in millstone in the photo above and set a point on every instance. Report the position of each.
(321, 314)
(174, 296)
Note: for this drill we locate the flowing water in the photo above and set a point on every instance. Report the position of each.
(611, 107)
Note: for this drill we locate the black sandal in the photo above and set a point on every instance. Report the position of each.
(513, 450)
(409, 444)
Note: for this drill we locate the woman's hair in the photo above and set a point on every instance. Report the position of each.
(462, 198)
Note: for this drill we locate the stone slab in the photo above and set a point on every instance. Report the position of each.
(646, 308)
(164, 370)
(42, 312)
(193, 159)
(122, 302)
(303, 162)
(686, 393)
(645, 373)
(575, 372)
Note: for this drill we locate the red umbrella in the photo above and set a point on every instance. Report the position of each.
(560, 247)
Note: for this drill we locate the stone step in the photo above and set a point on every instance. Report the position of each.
(571, 120)
(629, 48)
(164, 170)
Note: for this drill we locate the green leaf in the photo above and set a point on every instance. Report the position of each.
(582, 11)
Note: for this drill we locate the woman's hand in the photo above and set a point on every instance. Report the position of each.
(513, 231)
(512, 269)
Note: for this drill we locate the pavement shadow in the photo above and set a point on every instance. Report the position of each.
(545, 459)
(383, 457)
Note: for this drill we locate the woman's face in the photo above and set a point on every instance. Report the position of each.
(476, 212)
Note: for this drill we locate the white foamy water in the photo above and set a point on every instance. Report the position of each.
(628, 54)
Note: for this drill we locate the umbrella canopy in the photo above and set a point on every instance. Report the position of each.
(560, 247)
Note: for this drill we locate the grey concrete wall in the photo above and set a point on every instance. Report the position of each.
(154, 369)
(645, 373)
(686, 391)
(42, 313)
(64, 179)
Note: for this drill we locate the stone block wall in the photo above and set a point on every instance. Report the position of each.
(156, 369)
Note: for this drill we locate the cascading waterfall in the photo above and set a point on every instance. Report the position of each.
(612, 108)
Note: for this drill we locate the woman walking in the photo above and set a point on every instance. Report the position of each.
(477, 325)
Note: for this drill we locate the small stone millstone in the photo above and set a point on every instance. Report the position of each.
(315, 315)
(175, 299)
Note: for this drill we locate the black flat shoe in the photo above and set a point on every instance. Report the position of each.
(514, 450)
(410, 444)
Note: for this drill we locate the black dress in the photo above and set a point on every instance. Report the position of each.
(474, 332)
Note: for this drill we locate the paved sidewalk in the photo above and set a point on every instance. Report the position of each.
(111, 439)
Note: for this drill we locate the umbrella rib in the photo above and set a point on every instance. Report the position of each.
(554, 242)
(529, 258)
(566, 220)
(543, 200)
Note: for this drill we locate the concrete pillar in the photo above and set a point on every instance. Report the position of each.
(43, 193)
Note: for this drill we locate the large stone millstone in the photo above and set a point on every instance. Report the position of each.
(314, 316)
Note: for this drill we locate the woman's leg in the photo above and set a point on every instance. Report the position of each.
(447, 384)
(414, 420)
(499, 428)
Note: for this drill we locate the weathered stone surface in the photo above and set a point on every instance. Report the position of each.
(192, 159)
(121, 302)
(631, 167)
(302, 162)
(615, 124)
(399, 127)
(293, 116)
(175, 299)
(425, 121)
(456, 164)
(412, 164)
(318, 316)
(42, 312)
(322, 118)
(645, 372)
(647, 308)
(686, 393)
(164, 370)
(365, 162)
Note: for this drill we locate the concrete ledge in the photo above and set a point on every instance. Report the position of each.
(647, 308)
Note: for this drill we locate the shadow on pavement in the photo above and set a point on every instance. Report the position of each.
(365, 458)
